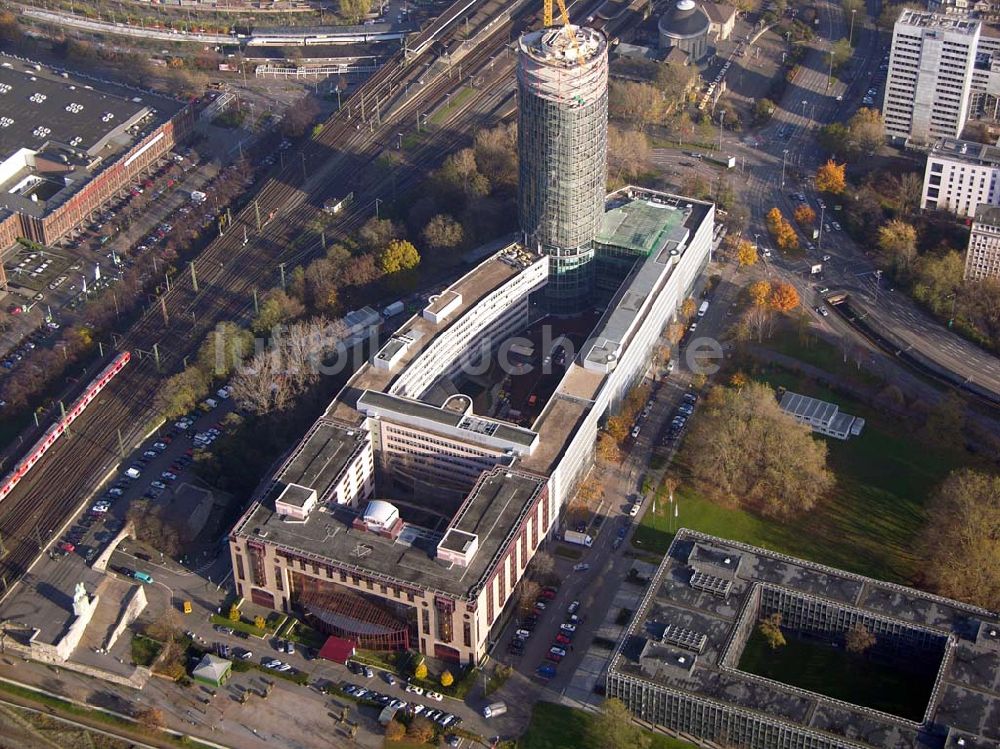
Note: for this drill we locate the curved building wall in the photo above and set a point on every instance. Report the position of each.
(562, 141)
(695, 46)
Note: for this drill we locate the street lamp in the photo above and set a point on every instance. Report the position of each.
(804, 105)
(853, 11)
(784, 156)
(722, 117)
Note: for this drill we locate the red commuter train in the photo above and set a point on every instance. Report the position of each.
(56, 430)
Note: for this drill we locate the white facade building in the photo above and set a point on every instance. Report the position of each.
(476, 495)
(929, 83)
(960, 176)
(982, 259)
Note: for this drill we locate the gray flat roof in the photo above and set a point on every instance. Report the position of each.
(987, 215)
(805, 407)
(319, 458)
(470, 426)
(968, 701)
(492, 510)
(473, 286)
(657, 225)
(44, 106)
(966, 151)
(925, 19)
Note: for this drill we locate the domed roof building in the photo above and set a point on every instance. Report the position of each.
(685, 26)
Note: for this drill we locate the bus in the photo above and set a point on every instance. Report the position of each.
(703, 309)
(143, 577)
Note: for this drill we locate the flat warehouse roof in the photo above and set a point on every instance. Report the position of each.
(41, 106)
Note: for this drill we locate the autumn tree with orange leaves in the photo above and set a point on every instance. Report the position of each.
(805, 215)
(759, 292)
(784, 297)
(831, 177)
(782, 231)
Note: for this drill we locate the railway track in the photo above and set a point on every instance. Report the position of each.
(227, 272)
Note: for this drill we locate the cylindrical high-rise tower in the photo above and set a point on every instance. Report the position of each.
(562, 75)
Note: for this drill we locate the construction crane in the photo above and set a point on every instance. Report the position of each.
(547, 21)
(547, 13)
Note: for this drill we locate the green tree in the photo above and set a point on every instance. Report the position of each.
(961, 542)
(420, 670)
(224, 349)
(867, 130)
(770, 628)
(836, 139)
(181, 392)
(276, 308)
(613, 728)
(938, 280)
(763, 110)
(398, 256)
(234, 613)
(842, 53)
(447, 679)
(746, 451)
(354, 11)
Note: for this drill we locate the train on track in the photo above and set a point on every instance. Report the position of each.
(55, 431)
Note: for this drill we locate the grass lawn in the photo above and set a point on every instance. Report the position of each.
(819, 353)
(145, 650)
(240, 626)
(559, 727)
(867, 525)
(901, 689)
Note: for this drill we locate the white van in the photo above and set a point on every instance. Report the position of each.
(492, 711)
(703, 309)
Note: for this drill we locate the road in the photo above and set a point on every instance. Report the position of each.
(808, 105)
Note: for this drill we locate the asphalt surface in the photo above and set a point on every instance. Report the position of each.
(808, 105)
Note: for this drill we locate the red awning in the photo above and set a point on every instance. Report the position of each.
(338, 649)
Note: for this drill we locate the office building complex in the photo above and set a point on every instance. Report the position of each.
(929, 83)
(694, 659)
(982, 259)
(562, 75)
(67, 145)
(960, 176)
(407, 515)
